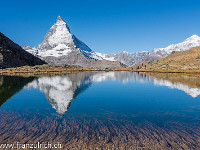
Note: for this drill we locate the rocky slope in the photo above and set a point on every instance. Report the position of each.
(179, 61)
(12, 55)
(60, 47)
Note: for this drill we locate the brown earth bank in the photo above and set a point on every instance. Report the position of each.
(179, 61)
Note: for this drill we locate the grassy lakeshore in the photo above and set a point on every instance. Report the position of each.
(168, 71)
(45, 69)
(42, 70)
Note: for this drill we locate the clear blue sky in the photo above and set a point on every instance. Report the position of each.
(107, 26)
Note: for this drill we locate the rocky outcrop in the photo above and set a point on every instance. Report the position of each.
(12, 55)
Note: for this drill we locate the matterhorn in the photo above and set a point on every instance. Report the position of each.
(61, 47)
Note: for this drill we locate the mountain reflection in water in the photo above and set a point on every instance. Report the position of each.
(190, 83)
(61, 90)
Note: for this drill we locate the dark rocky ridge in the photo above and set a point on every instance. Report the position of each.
(12, 55)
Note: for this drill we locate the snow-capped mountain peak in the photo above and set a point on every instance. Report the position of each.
(59, 33)
(59, 19)
(193, 38)
(59, 42)
(61, 22)
(190, 42)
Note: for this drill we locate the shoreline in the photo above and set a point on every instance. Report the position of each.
(42, 70)
(168, 71)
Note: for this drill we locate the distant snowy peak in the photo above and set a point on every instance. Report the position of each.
(131, 59)
(59, 42)
(193, 38)
(190, 42)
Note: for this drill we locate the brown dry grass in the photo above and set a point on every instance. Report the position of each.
(45, 70)
(42, 70)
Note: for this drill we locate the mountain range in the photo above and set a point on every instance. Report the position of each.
(60, 47)
(131, 59)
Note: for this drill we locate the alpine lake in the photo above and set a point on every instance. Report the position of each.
(102, 110)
